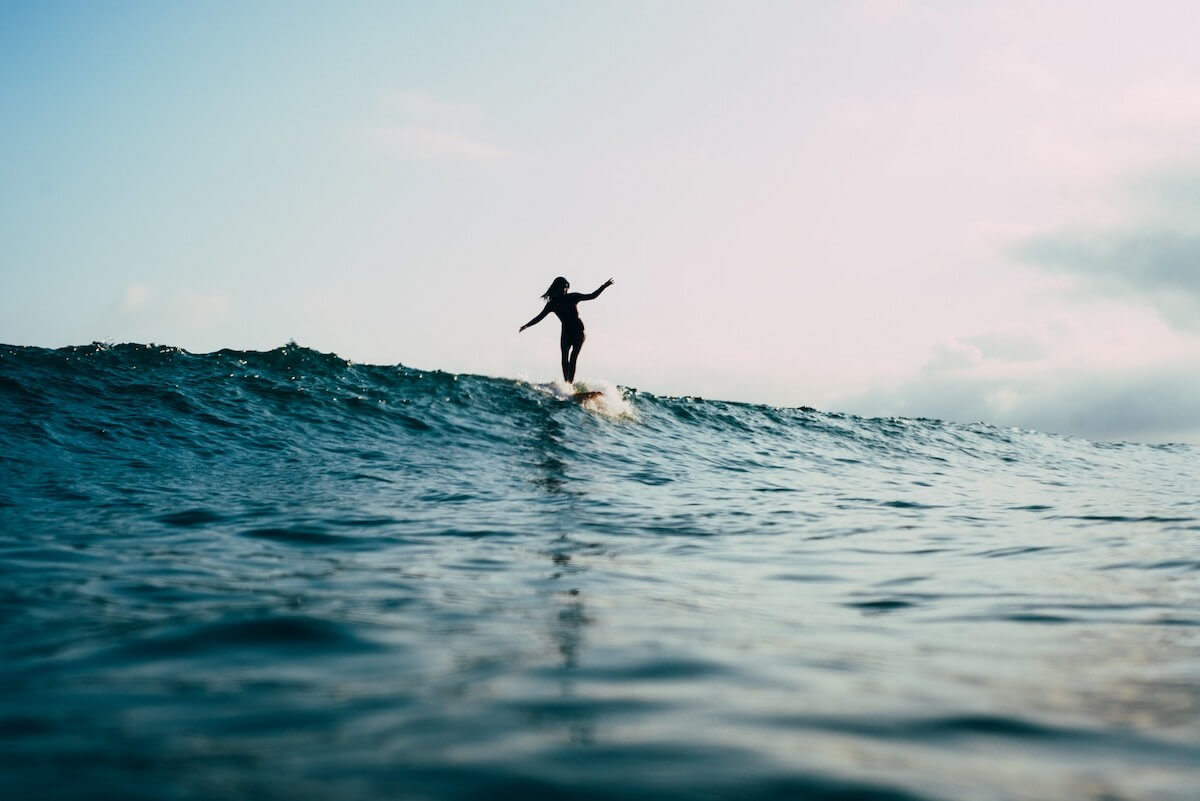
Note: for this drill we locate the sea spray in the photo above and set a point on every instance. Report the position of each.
(596, 395)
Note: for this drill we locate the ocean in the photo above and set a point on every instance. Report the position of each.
(283, 575)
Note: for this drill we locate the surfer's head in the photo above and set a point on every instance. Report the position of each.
(559, 286)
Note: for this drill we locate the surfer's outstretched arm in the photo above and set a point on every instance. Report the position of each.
(537, 319)
(596, 294)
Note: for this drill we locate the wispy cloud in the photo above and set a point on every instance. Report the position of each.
(143, 313)
(424, 143)
(135, 296)
(419, 127)
(410, 105)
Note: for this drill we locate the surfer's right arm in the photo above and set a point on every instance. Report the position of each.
(596, 294)
(535, 320)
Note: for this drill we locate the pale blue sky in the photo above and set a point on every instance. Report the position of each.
(951, 209)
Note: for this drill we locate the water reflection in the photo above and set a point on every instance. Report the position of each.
(549, 442)
(567, 633)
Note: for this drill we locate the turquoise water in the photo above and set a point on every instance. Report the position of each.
(280, 575)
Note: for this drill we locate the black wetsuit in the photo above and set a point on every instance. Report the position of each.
(564, 308)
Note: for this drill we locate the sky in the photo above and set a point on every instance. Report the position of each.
(975, 211)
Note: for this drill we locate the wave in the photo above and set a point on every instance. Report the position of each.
(294, 398)
(215, 432)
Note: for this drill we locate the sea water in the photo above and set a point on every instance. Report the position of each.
(281, 575)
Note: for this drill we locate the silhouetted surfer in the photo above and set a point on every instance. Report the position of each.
(563, 304)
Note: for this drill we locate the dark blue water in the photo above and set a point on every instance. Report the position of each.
(280, 575)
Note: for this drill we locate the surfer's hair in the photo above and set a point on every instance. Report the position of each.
(557, 288)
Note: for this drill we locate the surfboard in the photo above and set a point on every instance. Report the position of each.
(584, 396)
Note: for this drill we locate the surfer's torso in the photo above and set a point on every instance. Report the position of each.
(566, 308)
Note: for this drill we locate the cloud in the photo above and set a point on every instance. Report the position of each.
(1159, 268)
(200, 308)
(136, 296)
(145, 314)
(1009, 346)
(410, 105)
(1114, 356)
(420, 143)
(994, 352)
(1166, 194)
(415, 126)
(1152, 259)
(1159, 404)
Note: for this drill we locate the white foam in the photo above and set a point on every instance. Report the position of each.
(610, 402)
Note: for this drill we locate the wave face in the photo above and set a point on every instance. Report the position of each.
(281, 575)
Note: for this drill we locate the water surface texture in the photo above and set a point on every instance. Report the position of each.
(280, 575)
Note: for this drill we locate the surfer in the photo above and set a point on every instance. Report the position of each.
(563, 304)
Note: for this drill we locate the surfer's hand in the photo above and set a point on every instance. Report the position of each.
(519, 330)
(609, 282)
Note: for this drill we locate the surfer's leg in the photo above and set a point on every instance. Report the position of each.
(570, 368)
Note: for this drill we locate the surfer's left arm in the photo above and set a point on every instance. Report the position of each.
(535, 320)
(596, 294)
